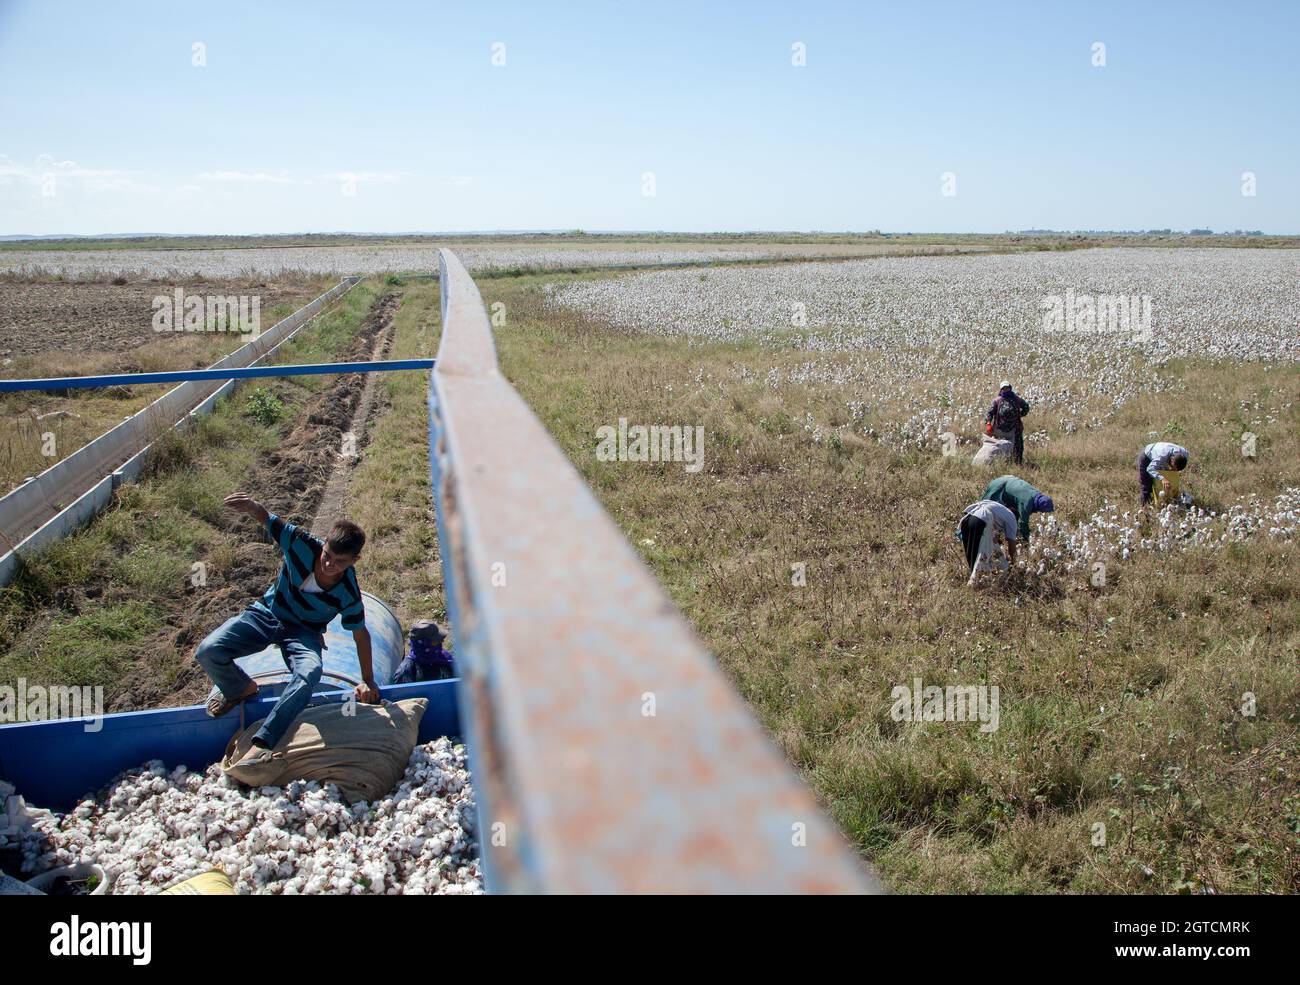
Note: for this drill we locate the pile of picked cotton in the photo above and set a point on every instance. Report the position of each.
(151, 829)
(16, 817)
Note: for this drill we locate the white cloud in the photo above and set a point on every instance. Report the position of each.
(365, 177)
(254, 177)
(46, 161)
(45, 166)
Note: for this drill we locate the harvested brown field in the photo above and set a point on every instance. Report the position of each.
(84, 317)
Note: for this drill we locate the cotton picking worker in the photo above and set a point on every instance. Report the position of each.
(316, 582)
(981, 524)
(1021, 498)
(1163, 461)
(1004, 419)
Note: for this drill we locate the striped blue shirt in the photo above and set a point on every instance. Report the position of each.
(314, 610)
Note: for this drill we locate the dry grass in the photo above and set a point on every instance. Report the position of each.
(1120, 705)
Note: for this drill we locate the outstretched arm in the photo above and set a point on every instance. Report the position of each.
(245, 503)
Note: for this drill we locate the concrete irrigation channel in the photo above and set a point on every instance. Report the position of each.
(49, 506)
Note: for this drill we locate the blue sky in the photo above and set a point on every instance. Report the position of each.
(405, 98)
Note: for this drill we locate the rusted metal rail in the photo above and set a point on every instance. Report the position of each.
(609, 752)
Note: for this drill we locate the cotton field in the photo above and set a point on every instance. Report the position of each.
(341, 260)
(922, 342)
(153, 828)
(1112, 534)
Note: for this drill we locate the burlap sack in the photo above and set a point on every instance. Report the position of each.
(365, 753)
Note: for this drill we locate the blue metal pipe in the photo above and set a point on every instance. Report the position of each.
(230, 373)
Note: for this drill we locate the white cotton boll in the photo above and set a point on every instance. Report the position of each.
(152, 828)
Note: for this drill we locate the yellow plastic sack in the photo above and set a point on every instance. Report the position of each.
(213, 883)
(1175, 487)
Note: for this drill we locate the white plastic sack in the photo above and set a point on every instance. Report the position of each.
(996, 562)
(991, 449)
(991, 558)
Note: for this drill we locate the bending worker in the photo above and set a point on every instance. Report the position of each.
(1021, 498)
(1165, 461)
(1004, 419)
(981, 524)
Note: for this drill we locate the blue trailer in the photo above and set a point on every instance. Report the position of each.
(53, 764)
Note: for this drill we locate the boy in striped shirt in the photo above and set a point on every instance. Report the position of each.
(316, 582)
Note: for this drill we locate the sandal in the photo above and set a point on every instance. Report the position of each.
(218, 704)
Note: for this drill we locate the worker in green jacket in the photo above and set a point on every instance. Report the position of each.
(1020, 498)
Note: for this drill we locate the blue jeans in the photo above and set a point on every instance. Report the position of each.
(252, 630)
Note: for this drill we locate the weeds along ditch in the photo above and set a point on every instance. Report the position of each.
(115, 604)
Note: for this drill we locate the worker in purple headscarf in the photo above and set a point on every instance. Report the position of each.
(1004, 419)
(425, 660)
(1020, 498)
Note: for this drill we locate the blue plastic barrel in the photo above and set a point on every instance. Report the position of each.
(341, 668)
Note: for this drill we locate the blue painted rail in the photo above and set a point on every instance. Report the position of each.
(229, 373)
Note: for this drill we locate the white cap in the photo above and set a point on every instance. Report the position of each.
(1004, 385)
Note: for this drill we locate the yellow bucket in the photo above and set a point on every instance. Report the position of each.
(212, 883)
